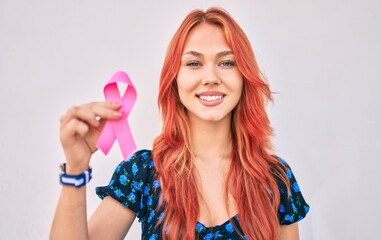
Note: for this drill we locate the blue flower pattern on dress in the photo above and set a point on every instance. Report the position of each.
(135, 186)
(289, 174)
(229, 227)
(156, 184)
(289, 218)
(296, 187)
(131, 197)
(209, 236)
(134, 169)
(123, 179)
(149, 201)
(199, 227)
(282, 209)
(118, 193)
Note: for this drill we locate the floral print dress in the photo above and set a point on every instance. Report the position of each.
(133, 184)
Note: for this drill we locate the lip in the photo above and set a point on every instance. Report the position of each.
(211, 93)
(211, 103)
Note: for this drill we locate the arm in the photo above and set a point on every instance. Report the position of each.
(289, 232)
(70, 219)
(78, 134)
(110, 221)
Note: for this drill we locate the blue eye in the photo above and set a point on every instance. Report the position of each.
(193, 64)
(227, 63)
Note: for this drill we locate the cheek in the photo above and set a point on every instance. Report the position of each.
(236, 83)
(240, 89)
(237, 87)
(240, 82)
(182, 87)
(186, 83)
(185, 91)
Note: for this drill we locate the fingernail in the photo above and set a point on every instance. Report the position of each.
(115, 103)
(117, 113)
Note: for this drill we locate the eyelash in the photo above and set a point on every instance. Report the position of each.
(230, 62)
(195, 63)
(192, 63)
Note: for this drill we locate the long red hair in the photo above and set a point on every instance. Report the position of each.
(253, 168)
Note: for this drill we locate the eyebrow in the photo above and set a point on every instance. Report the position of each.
(220, 54)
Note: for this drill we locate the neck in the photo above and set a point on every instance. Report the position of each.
(211, 141)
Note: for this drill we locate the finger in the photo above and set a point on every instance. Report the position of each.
(105, 112)
(73, 110)
(110, 105)
(102, 123)
(91, 112)
(113, 105)
(71, 113)
(91, 143)
(72, 129)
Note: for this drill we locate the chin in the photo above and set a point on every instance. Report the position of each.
(212, 118)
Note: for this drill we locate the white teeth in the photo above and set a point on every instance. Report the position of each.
(210, 98)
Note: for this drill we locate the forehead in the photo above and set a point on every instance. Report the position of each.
(206, 37)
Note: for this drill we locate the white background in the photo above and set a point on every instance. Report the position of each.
(321, 57)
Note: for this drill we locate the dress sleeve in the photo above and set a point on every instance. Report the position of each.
(128, 182)
(293, 207)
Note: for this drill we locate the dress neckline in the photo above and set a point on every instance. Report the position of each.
(223, 226)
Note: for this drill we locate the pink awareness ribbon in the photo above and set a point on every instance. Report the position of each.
(118, 129)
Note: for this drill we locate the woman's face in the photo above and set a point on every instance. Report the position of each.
(209, 82)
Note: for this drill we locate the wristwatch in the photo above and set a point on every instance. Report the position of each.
(75, 180)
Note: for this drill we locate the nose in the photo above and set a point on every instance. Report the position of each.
(211, 76)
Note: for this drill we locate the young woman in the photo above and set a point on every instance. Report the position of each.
(211, 173)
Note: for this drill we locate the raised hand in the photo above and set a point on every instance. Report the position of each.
(80, 129)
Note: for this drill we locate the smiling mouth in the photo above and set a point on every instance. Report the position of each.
(211, 98)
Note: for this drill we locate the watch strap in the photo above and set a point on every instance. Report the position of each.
(75, 180)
